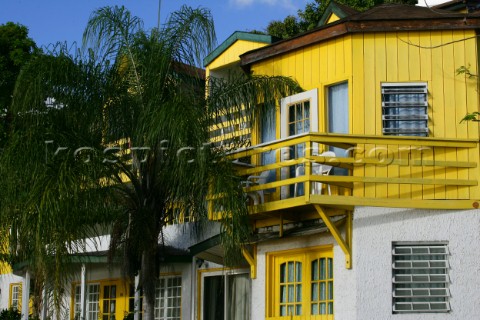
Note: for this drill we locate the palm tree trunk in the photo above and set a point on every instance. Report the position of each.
(148, 277)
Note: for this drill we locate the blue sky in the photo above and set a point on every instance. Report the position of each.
(50, 21)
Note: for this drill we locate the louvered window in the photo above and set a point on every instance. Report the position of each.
(404, 109)
(420, 278)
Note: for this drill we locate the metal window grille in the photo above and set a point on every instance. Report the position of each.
(420, 278)
(404, 109)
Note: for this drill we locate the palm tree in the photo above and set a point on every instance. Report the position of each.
(114, 138)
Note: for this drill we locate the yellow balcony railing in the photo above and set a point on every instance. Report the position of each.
(408, 172)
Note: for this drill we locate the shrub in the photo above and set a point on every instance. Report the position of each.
(10, 314)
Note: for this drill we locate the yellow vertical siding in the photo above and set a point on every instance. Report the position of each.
(367, 60)
(414, 72)
(232, 54)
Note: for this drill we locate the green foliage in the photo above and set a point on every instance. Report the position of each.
(309, 17)
(16, 49)
(466, 71)
(128, 88)
(474, 116)
(284, 29)
(10, 314)
(128, 316)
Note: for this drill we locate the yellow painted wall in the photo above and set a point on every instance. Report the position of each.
(333, 17)
(232, 54)
(4, 267)
(316, 66)
(367, 60)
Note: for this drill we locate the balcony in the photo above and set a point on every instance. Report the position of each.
(385, 171)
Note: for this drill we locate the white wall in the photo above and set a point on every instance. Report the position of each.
(5, 280)
(430, 3)
(374, 231)
(365, 291)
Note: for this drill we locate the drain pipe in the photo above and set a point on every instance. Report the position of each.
(193, 280)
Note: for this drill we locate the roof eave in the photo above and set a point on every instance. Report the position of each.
(343, 27)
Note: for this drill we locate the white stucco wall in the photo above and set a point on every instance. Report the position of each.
(365, 291)
(5, 281)
(374, 231)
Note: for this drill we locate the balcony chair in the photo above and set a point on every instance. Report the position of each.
(317, 169)
(258, 196)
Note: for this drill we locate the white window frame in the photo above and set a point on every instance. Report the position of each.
(420, 277)
(226, 274)
(161, 311)
(92, 306)
(311, 95)
(386, 89)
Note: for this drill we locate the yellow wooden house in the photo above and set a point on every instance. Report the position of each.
(364, 188)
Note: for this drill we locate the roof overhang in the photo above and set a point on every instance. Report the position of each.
(237, 35)
(353, 24)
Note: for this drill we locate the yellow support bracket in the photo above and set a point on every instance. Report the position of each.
(345, 244)
(252, 260)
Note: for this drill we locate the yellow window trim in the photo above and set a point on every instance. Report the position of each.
(20, 291)
(272, 271)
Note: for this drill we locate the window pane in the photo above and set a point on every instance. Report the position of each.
(299, 272)
(322, 269)
(314, 291)
(291, 290)
(306, 109)
(315, 270)
(323, 309)
(298, 310)
(282, 273)
(314, 309)
(330, 308)
(306, 125)
(290, 271)
(323, 289)
(291, 129)
(330, 268)
(299, 293)
(291, 113)
(299, 112)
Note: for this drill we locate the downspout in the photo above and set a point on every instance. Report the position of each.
(44, 313)
(136, 303)
(193, 285)
(83, 287)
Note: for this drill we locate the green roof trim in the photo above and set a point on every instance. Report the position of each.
(338, 9)
(205, 245)
(237, 35)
